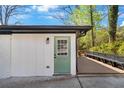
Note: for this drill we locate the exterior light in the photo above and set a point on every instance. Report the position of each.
(47, 40)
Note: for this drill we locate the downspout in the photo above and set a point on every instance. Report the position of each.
(77, 47)
(78, 34)
(76, 53)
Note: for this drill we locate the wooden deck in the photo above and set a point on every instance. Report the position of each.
(86, 66)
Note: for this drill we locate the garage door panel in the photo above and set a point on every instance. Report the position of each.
(31, 55)
(24, 57)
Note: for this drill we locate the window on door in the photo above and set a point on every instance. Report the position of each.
(62, 47)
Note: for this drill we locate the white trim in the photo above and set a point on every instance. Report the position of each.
(73, 54)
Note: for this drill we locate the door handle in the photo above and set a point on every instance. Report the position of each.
(54, 55)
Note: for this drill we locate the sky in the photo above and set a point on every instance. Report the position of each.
(39, 15)
(45, 15)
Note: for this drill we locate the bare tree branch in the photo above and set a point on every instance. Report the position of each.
(7, 11)
(67, 10)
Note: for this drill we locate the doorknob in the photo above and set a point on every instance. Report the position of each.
(54, 55)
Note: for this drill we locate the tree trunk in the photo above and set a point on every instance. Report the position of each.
(113, 16)
(92, 23)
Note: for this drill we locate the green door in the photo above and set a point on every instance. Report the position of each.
(62, 55)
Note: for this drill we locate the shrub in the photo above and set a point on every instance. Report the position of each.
(121, 49)
(95, 49)
(108, 48)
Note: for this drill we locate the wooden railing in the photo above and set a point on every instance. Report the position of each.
(113, 60)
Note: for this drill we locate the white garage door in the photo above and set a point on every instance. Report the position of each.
(31, 55)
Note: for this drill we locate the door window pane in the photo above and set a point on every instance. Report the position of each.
(62, 47)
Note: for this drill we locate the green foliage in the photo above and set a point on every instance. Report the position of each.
(95, 49)
(81, 16)
(110, 48)
(104, 48)
(102, 42)
(121, 50)
(85, 42)
(101, 36)
(120, 35)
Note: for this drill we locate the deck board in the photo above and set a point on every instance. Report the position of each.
(86, 66)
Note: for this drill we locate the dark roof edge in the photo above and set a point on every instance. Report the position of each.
(8, 29)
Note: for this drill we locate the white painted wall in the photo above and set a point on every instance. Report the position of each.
(23, 55)
(5, 59)
(28, 55)
(73, 54)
